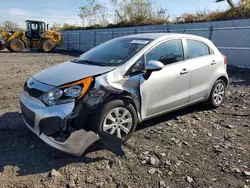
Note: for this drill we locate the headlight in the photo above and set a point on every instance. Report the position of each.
(73, 91)
(66, 93)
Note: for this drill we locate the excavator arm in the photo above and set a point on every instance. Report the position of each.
(5, 35)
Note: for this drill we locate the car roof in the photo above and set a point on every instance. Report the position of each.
(155, 36)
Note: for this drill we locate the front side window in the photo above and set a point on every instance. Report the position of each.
(167, 52)
(196, 49)
(114, 52)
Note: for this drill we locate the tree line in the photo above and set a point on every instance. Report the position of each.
(144, 12)
(123, 13)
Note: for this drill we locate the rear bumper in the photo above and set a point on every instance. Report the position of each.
(34, 115)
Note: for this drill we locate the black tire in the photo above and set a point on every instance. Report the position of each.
(47, 46)
(16, 45)
(100, 115)
(9, 49)
(211, 102)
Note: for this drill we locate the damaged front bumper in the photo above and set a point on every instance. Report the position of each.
(42, 119)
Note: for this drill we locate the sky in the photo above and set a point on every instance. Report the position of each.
(65, 11)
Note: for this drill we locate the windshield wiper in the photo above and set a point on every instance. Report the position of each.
(89, 62)
(93, 62)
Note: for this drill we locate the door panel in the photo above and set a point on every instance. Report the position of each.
(203, 67)
(165, 89)
(202, 76)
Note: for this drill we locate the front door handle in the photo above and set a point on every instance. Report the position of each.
(184, 71)
(213, 62)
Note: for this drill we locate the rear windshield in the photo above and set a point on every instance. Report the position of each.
(114, 52)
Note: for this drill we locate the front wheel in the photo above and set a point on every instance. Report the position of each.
(48, 46)
(217, 95)
(117, 118)
(8, 48)
(16, 45)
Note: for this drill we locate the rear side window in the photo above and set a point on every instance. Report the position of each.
(167, 52)
(197, 49)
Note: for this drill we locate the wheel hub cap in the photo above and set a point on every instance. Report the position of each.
(218, 95)
(47, 47)
(16, 45)
(118, 122)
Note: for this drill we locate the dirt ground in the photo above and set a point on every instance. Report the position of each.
(192, 147)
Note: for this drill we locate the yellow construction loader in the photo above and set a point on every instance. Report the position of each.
(36, 36)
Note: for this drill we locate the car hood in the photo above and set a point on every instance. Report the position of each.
(69, 72)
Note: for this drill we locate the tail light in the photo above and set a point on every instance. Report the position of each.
(225, 59)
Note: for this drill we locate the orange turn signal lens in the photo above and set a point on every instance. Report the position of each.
(85, 82)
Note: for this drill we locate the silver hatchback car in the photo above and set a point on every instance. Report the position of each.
(119, 83)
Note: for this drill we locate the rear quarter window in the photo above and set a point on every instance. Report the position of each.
(197, 49)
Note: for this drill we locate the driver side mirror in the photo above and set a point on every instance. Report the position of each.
(154, 65)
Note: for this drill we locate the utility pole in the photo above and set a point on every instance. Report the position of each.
(230, 2)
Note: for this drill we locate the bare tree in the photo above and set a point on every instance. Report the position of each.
(10, 26)
(230, 2)
(91, 10)
(138, 12)
(56, 26)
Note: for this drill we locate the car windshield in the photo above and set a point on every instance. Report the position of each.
(114, 52)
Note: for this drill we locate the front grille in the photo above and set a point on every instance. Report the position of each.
(32, 91)
(28, 115)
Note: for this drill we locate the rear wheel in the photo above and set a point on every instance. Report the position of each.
(47, 46)
(118, 118)
(16, 45)
(217, 95)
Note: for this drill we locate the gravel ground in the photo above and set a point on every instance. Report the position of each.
(192, 147)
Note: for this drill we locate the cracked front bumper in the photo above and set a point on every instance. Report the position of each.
(34, 114)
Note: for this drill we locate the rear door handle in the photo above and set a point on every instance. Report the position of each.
(213, 62)
(184, 71)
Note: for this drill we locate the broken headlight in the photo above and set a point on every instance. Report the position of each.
(67, 93)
